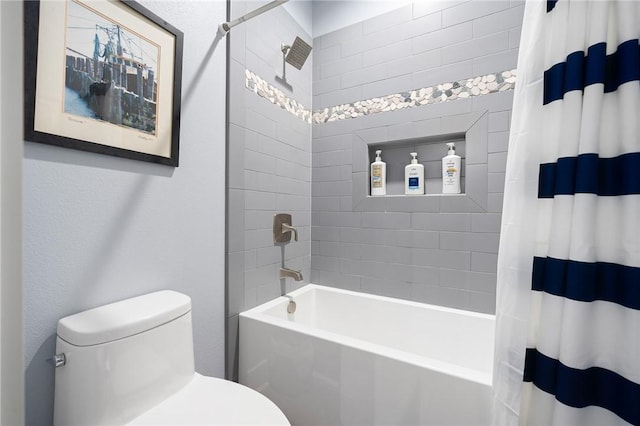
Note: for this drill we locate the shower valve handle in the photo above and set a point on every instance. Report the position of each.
(288, 228)
(282, 228)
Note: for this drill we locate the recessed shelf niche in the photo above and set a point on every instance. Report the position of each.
(430, 151)
(470, 134)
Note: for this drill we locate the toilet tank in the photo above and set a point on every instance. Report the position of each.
(122, 359)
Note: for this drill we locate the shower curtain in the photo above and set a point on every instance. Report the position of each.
(568, 307)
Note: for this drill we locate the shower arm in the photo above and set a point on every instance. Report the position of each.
(224, 27)
(284, 48)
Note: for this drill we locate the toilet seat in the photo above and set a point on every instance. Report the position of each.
(212, 401)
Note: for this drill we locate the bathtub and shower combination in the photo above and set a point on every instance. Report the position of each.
(352, 358)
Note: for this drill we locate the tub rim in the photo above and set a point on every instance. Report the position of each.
(257, 313)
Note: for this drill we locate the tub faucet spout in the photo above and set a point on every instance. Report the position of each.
(290, 273)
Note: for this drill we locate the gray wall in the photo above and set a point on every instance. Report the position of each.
(269, 166)
(11, 151)
(98, 229)
(439, 252)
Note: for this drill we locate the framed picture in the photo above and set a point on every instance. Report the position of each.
(103, 76)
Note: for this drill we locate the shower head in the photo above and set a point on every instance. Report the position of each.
(297, 53)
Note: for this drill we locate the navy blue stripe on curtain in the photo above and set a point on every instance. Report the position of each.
(582, 388)
(590, 174)
(580, 71)
(551, 4)
(587, 281)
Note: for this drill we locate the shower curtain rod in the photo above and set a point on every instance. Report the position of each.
(224, 27)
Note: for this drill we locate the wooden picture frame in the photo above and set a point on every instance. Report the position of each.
(103, 76)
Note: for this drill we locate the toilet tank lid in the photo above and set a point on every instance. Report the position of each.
(123, 319)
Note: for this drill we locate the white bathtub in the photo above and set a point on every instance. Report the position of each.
(351, 358)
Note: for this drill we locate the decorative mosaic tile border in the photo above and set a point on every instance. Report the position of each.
(276, 96)
(445, 92)
(477, 86)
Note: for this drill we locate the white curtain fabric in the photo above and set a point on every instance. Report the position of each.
(568, 307)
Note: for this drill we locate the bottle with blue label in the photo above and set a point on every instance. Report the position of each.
(414, 177)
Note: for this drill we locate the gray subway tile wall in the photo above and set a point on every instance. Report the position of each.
(514, 38)
(471, 49)
(269, 166)
(438, 249)
(504, 20)
(485, 64)
(495, 182)
(387, 53)
(442, 37)
(410, 29)
(494, 202)
(390, 19)
(404, 204)
(472, 10)
(499, 121)
(443, 251)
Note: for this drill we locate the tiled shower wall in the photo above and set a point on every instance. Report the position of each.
(443, 251)
(269, 166)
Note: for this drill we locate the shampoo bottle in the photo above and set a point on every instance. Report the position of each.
(378, 176)
(451, 171)
(414, 177)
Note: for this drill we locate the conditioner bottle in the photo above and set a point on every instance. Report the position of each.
(451, 171)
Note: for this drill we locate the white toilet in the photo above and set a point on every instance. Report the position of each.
(131, 362)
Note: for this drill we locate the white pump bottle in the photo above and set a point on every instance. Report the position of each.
(451, 171)
(414, 177)
(378, 176)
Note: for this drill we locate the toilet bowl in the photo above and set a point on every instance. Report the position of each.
(131, 363)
